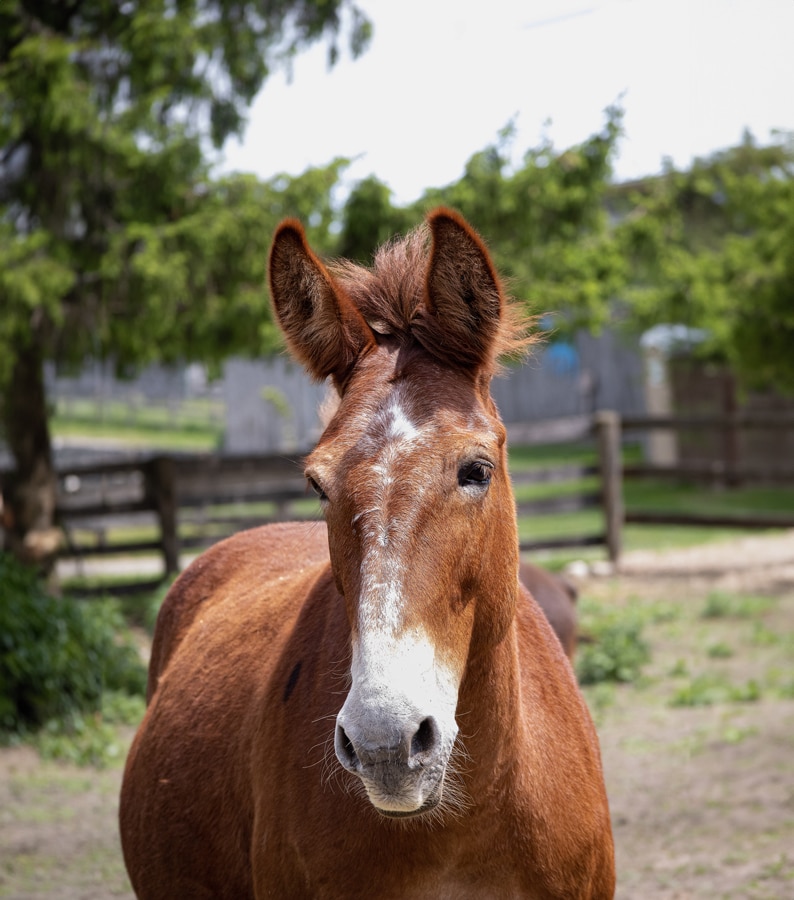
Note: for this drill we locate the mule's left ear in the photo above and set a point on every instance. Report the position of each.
(324, 330)
(463, 293)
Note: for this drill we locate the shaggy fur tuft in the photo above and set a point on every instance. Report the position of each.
(392, 297)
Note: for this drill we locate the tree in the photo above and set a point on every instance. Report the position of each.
(369, 219)
(545, 219)
(114, 241)
(547, 222)
(710, 247)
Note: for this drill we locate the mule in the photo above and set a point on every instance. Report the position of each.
(556, 596)
(372, 707)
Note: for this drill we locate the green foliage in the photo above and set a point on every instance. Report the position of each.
(709, 688)
(31, 279)
(114, 240)
(615, 650)
(547, 223)
(57, 657)
(91, 739)
(720, 604)
(786, 689)
(369, 219)
(709, 247)
(141, 610)
(198, 281)
(720, 650)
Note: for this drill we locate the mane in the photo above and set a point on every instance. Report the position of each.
(390, 295)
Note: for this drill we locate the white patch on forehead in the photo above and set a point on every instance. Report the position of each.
(391, 488)
(391, 423)
(400, 427)
(381, 593)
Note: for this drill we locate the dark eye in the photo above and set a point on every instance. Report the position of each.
(475, 474)
(316, 487)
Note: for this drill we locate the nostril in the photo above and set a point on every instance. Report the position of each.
(426, 737)
(345, 752)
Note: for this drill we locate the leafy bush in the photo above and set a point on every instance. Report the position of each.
(616, 650)
(58, 656)
(721, 605)
(91, 739)
(710, 688)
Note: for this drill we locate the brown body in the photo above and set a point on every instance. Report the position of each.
(375, 709)
(557, 598)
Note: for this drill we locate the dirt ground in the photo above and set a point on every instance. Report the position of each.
(702, 797)
(702, 794)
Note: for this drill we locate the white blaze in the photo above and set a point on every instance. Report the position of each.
(403, 675)
(383, 564)
(394, 670)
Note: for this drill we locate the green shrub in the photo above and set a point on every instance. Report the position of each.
(141, 609)
(58, 656)
(701, 690)
(91, 739)
(721, 605)
(709, 688)
(616, 650)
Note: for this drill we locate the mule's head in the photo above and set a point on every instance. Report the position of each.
(412, 474)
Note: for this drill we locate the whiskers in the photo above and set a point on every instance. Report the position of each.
(330, 774)
(453, 805)
(455, 800)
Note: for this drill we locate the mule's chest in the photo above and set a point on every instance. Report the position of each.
(405, 875)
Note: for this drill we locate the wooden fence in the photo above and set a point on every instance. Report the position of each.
(604, 427)
(168, 507)
(726, 471)
(171, 506)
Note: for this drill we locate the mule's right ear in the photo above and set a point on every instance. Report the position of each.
(323, 329)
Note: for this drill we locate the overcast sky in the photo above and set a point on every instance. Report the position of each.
(442, 77)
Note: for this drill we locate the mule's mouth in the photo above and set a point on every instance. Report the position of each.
(428, 804)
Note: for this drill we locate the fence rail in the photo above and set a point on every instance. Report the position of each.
(188, 502)
(728, 471)
(774, 421)
(714, 472)
(172, 505)
(168, 505)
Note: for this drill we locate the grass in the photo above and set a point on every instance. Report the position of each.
(616, 650)
(193, 425)
(721, 605)
(140, 436)
(672, 497)
(198, 431)
(708, 702)
(186, 415)
(62, 840)
(647, 494)
(694, 652)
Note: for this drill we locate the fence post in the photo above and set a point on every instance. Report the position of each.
(607, 427)
(161, 490)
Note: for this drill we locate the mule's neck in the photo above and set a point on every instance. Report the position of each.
(490, 709)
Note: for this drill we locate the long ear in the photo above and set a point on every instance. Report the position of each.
(323, 329)
(463, 306)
